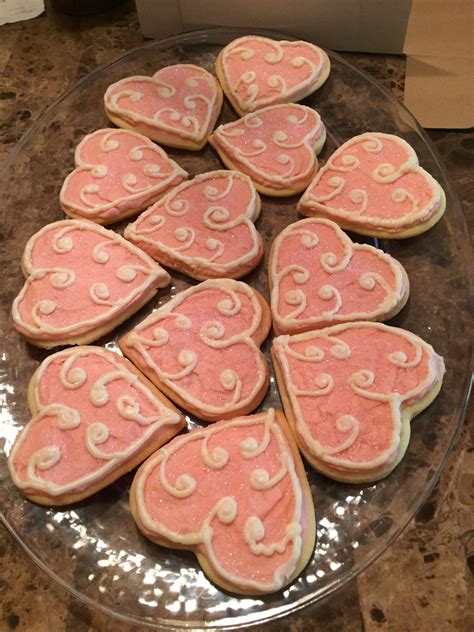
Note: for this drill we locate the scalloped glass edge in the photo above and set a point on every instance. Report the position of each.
(201, 37)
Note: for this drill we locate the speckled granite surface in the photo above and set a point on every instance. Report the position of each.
(425, 580)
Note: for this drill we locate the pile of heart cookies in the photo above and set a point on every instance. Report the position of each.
(235, 490)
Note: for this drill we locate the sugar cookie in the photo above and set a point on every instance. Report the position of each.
(275, 146)
(95, 417)
(256, 71)
(319, 277)
(118, 173)
(178, 106)
(204, 227)
(349, 393)
(82, 281)
(236, 494)
(374, 185)
(202, 348)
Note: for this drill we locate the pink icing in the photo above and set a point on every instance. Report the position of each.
(77, 467)
(206, 222)
(320, 276)
(223, 370)
(117, 172)
(399, 193)
(398, 381)
(274, 146)
(179, 99)
(277, 507)
(260, 71)
(80, 276)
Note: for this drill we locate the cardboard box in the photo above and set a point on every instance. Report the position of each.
(376, 26)
(440, 63)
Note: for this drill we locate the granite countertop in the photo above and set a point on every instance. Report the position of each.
(425, 580)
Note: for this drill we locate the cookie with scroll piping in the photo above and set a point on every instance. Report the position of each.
(236, 494)
(257, 71)
(204, 227)
(118, 174)
(178, 106)
(319, 277)
(350, 391)
(373, 185)
(202, 349)
(95, 417)
(82, 280)
(276, 146)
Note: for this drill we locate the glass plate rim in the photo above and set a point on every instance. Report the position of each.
(201, 37)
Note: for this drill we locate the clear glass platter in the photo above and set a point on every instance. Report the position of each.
(93, 549)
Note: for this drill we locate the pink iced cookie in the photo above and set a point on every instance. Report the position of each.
(350, 392)
(374, 185)
(204, 227)
(82, 281)
(95, 417)
(178, 106)
(236, 494)
(118, 173)
(202, 348)
(257, 71)
(319, 277)
(275, 146)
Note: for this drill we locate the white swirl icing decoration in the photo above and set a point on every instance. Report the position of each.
(347, 163)
(184, 485)
(186, 236)
(68, 418)
(231, 305)
(188, 360)
(44, 459)
(72, 378)
(127, 274)
(217, 458)
(261, 479)
(230, 381)
(97, 434)
(176, 207)
(61, 243)
(399, 358)
(251, 448)
(346, 424)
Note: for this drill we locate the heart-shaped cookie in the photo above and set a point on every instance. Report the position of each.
(318, 277)
(236, 494)
(256, 71)
(374, 185)
(350, 392)
(275, 146)
(118, 173)
(202, 348)
(82, 281)
(204, 227)
(95, 417)
(178, 106)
